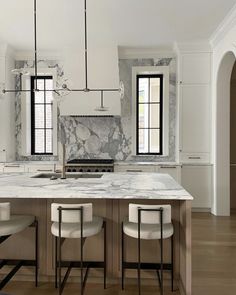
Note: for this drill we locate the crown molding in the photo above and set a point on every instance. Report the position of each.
(228, 22)
(145, 52)
(191, 47)
(46, 55)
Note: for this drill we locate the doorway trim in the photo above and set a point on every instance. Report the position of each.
(221, 146)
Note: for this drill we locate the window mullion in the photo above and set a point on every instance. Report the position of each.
(149, 122)
(45, 144)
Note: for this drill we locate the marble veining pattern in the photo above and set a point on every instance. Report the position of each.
(109, 186)
(104, 137)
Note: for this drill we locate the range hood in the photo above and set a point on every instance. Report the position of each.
(94, 66)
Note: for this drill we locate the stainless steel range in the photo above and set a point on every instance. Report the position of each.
(90, 165)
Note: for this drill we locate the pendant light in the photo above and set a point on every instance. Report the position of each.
(64, 89)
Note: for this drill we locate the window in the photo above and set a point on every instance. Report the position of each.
(42, 116)
(149, 126)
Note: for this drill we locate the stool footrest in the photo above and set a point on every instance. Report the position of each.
(76, 264)
(146, 265)
(11, 262)
(18, 264)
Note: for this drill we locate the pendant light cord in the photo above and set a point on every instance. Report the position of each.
(35, 47)
(86, 45)
(86, 89)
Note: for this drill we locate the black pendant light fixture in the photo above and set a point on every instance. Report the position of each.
(64, 88)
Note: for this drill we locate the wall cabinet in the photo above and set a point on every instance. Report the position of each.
(32, 168)
(197, 180)
(195, 68)
(195, 123)
(13, 168)
(7, 110)
(195, 107)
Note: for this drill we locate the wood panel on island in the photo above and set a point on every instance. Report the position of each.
(110, 196)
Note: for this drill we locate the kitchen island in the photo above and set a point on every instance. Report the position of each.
(110, 194)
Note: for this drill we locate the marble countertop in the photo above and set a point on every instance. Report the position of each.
(109, 186)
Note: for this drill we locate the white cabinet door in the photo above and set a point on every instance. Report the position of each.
(195, 123)
(173, 171)
(13, 168)
(39, 168)
(195, 68)
(197, 180)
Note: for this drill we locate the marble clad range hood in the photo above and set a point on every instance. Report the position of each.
(93, 65)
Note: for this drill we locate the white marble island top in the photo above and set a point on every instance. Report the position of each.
(109, 186)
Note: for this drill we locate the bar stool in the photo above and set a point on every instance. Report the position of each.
(149, 222)
(75, 221)
(10, 225)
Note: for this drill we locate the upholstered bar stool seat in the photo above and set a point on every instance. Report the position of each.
(75, 221)
(10, 225)
(148, 231)
(15, 224)
(73, 230)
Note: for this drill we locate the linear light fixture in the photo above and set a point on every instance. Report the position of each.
(64, 88)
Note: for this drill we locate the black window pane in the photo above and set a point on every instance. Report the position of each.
(39, 97)
(143, 89)
(149, 108)
(155, 89)
(39, 116)
(154, 140)
(42, 108)
(49, 116)
(39, 141)
(154, 116)
(143, 115)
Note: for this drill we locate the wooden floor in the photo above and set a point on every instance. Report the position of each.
(214, 254)
(214, 264)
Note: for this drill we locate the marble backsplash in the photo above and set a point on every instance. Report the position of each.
(107, 137)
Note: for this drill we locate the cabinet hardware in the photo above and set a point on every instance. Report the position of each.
(194, 158)
(134, 170)
(174, 167)
(44, 170)
(12, 166)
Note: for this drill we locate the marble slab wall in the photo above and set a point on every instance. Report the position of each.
(108, 137)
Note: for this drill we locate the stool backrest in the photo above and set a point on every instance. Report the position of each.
(71, 213)
(4, 211)
(150, 217)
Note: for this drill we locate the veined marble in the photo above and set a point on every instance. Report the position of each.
(101, 137)
(110, 186)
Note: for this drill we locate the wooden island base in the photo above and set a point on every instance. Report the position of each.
(114, 211)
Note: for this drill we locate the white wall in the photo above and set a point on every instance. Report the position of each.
(224, 52)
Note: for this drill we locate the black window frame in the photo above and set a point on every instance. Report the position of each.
(161, 77)
(32, 83)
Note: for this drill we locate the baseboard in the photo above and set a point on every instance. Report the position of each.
(201, 210)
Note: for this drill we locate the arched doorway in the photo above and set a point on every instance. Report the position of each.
(221, 201)
(233, 141)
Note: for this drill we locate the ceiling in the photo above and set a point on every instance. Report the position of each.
(135, 23)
